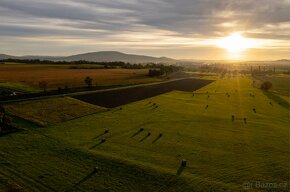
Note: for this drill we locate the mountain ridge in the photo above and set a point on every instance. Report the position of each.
(101, 56)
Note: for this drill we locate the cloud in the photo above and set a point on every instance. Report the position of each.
(152, 22)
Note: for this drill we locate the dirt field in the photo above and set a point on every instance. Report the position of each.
(123, 96)
(60, 76)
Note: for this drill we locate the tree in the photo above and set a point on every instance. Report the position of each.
(89, 81)
(2, 110)
(2, 113)
(155, 72)
(43, 85)
(5, 121)
(266, 85)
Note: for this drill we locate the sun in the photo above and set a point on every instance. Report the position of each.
(235, 43)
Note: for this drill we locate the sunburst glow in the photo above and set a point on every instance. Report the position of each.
(236, 43)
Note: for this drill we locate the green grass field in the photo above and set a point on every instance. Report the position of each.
(52, 111)
(281, 83)
(221, 154)
(280, 92)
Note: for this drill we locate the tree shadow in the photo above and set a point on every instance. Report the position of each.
(180, 170)
(282, 102)
(156, 106)
(99, 135)
(86, 178)
(137, 133)
(148, 135)
(117, 109)
(82, 180)
(157, 138)
(96, 145)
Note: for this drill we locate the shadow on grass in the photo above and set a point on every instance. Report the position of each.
(99, 135)
(282, 102)
(157, 138)
(145, 137)
(86, 178)
(137, 133)
(180, 170)
(96, 145)
(81, 181)
(116, 110)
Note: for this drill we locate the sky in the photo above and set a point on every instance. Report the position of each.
(181, 29)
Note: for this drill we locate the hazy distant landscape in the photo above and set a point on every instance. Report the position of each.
(138, 96)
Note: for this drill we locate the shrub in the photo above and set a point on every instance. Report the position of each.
(43, 85)
(183, 163)
(245, 120)
(2, 111)
(155, 72)
(233, 117)
(266, 85)
(7, 120)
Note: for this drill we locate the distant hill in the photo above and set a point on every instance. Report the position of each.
(3, 56)
(108, 56)
(103, 56)
(283, 60)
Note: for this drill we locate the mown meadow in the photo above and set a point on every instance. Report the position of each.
(229, 132)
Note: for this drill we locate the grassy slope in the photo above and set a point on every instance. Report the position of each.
(221, 154)
(51, 111)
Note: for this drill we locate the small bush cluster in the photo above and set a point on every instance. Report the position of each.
(266, 85)
(155, 72)
(252, 95)
(5, 121)
(245, 120)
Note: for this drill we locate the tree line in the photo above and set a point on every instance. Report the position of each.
(163, 70)
(106, 65)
